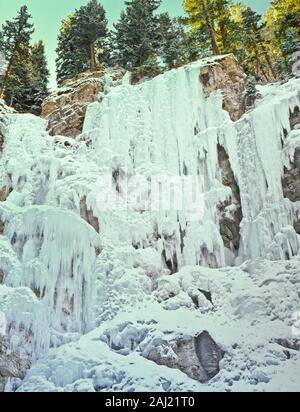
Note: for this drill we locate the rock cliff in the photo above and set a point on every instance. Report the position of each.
(65, 109)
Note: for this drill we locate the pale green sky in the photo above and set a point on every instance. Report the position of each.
(47, 15)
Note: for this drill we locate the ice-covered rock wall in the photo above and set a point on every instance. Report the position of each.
(66, 245)
(168, 127)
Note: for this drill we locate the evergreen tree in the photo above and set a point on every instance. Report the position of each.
(173, 41)
(193, 47)
(81, 41)
(91, 25)
(15, 43)
(69, 61)
(250, 93)
(255, 44)
(208, 16)
(39, 77)
(282, 22)
(137, 36)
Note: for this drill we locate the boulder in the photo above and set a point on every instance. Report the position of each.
(198, 357)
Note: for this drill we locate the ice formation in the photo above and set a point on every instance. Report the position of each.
(98, 287)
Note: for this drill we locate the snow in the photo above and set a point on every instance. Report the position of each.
(95, 304)
(252, 308)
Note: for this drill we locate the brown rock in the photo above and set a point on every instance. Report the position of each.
(65, 110)
(291, 179)
(4, 192)
(225, 74)
(297, 226)
(295, 118)
(88, 215)
(229, 221)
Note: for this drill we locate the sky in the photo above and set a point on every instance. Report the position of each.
(47, 15)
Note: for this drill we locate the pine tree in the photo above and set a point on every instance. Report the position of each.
(173, 41)
(68, 63)
(91, 25)
(282, 21)
(136, 36)
(81, 41)
(15, 43)
(223, 24)
(255, 44)
(202, 16)
(250, 93)
(39, 77)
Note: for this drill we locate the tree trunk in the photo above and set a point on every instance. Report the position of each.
(268, 60)
(221, 11)
(93, 57)
(210, 29)
(259, 66)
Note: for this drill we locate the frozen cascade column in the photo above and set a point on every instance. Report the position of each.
(56, 253)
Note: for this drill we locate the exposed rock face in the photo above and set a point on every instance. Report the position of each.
(291, 183)
(88, 215)
(296, 63)
(225, 74)
(230, 211)
(198, 357)
(12, 365)
(4, 192)
(65, 110)
(291, 177)
(293, 344)
(295, 118)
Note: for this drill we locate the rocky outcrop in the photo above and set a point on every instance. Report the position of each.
(198, 357)
(65, 110)
(291, 184)
(295, 118)
(291, 176)
(230, 212)
(291, 179)
(12, 364)
(226, 75)
(88, 215)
